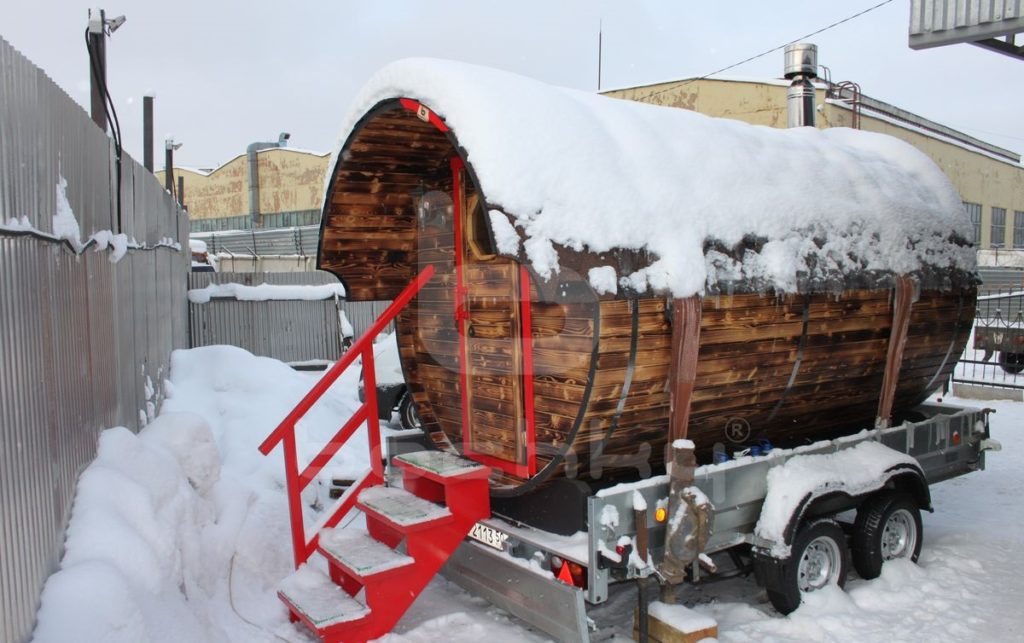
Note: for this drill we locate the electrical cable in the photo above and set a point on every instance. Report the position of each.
(772, 50)
(111, 113)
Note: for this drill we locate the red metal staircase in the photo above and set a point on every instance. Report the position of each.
(374, 576)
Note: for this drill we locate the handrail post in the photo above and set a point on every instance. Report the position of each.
(372, 414)
(291, 475)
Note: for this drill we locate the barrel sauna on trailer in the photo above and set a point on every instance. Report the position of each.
(610, 276)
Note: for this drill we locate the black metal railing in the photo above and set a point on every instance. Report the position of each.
(994, 355)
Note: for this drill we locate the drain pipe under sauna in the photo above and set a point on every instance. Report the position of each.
(254, 175)
(802, 69)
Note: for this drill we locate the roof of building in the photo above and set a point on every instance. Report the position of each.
(875, 107)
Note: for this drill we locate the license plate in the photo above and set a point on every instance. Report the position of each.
(488, 536)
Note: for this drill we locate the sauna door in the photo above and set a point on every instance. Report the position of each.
(488, 314)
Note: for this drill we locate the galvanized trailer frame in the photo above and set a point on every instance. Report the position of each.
(513, 571)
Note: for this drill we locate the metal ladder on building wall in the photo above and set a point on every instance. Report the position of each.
(373, 578)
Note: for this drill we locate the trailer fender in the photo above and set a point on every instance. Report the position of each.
(836, 495)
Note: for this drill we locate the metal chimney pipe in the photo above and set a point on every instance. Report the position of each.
(254, 175)
(147, 132)
(802, 69)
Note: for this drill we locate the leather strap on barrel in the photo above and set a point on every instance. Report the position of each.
(686, 315)
(903, 300)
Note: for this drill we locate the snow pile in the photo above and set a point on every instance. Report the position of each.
(181, 533)
(265, 292)
(856, 470)
(244, 397)
(134, 542)
(590, 173)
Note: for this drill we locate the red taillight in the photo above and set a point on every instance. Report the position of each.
(620, 549)
(956, 438)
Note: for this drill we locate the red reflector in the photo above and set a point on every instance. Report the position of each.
(619, 549)
(565, 575)
(956, 438)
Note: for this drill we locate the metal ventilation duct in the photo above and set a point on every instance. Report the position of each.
(802, 68)
(254, 175)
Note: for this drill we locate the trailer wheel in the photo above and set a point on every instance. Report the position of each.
(888, 527)
(407, 413)
(820, 557)
(1012, 363)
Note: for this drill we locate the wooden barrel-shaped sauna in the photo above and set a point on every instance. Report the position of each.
(611, 275)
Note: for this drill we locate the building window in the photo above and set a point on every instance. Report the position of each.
(1018, 229)
(998, 228)
(974, 211)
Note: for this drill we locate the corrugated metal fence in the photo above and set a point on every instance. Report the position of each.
(80, 335)
(289, 329)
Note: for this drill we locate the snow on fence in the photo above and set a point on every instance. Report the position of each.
(92, 304)
(294, 317)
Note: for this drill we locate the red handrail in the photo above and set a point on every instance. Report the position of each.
(367, 412)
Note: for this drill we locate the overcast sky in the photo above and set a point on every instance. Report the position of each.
(226, 73)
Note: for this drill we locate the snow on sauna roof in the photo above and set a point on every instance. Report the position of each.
(710, 200)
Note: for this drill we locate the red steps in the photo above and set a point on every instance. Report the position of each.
(371, 583)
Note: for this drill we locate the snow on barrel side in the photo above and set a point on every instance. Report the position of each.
(826, 274)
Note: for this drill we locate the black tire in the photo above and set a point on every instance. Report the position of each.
(407, 414)
(888, 526)
(1012, 363)
(822, 541)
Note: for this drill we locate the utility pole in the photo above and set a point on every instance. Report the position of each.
(96, 42)
(98, 66)
(169, 147)
(147, 132)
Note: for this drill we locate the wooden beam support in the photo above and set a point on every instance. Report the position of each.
(903, 299)
(686, 314)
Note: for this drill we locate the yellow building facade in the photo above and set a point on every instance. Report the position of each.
(290, 185)
(990, 179)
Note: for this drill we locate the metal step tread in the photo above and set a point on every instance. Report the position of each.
(360, 552)
(311, 593)
(440, 463)
(401, 507)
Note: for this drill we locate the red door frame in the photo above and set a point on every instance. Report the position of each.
(529, 468)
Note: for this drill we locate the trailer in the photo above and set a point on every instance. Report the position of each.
(626, 534)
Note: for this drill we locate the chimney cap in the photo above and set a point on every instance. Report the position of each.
(801, 60)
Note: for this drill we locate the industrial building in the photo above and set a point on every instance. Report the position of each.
(269, 186)
(990, 179)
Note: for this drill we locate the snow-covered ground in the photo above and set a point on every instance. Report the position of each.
(180, 533)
